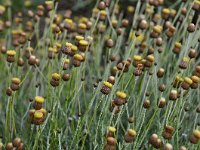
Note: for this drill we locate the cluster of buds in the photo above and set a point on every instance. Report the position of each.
(187, 82)
(168, 132)
(37, 117)
(78, 38)
(171, 30)
(177, 48)
(106, 88)
(15, 84)
(124, 66)
(155, 141)
(69, 49)
(194, 137)
(11, 56)
(33, 60)
(38, 113)
(55, 79)
(130, 136)
(177, 82)
(111, 143)
(15, 144)
(120, 98)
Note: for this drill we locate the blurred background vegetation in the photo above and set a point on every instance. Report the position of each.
(75, 5)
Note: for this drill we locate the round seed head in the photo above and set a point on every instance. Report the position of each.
(192, 53)
(162, 102)
(150, 58)
(38, 115)
(195, 79)
(146, 104)
(191, 27)
(108, 84)
(78, 37)
(16, 142)
(130, 9)
(68, 44)
(110, 43)
(44, 111)
(56, 76)
(178, 45)
(137, 58)
(11, 53)
(121, 94)
(131, 119)
(182, 148)
(196, 133)
(78, 57)
(168, 147)
(16, 80)
(166, 11)
(39, 99)
(102, 5)
(111, 141)
(188, 80)
(112, 129)
(9, 146)
(132, 132)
